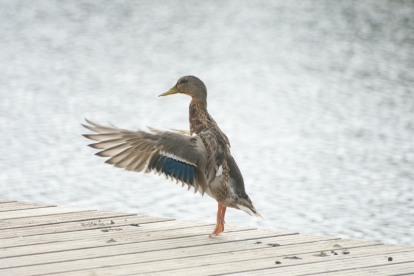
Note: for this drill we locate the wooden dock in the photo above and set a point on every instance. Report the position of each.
(38, 239)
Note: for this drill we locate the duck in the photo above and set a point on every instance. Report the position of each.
(199, 158)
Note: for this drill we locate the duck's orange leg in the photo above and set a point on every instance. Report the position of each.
(221, 212)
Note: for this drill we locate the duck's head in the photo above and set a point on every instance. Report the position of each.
(191, 86)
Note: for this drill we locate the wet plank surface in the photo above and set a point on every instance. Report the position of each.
(42, 239)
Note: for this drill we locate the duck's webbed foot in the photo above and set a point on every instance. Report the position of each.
(221, 212)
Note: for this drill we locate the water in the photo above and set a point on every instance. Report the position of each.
(316, 97)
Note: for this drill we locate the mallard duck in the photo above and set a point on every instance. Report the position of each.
(199, 158)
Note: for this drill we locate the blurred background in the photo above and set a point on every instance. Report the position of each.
(316, 97)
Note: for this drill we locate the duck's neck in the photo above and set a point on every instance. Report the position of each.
(198, 116)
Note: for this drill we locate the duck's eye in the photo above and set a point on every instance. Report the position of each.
(184, 81)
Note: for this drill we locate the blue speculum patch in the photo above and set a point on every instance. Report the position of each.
(177, 169)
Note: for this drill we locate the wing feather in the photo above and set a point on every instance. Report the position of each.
(107, 144)
(101, 137)
(115, 150)
(175, 154)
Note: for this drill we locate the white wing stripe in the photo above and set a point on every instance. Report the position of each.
(219, 171)
(173, 156)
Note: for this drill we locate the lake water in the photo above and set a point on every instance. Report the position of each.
(316, 97)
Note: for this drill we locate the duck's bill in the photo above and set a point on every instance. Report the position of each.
(173, 90)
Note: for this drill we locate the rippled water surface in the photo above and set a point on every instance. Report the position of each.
(317, 98)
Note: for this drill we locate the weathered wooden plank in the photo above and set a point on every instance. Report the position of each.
(41, 240)
(40, 212)
(344, 263)
(13, 206)
(120, 239)
(218, 264)
(124, 234)
(143, 243)
(221, 259)
(75, 226)
(288, 244)
(22, 246)
(383, 270)
(141, 234)
(76, 245)
(131, 256)
(60, 219)
(6, 201)
(297, 265)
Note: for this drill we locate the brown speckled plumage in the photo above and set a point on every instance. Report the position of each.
(201, 158)
(201, 121)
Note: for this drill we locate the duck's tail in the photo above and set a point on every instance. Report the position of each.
(247, 206)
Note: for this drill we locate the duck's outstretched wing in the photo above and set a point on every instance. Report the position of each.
(173, 154)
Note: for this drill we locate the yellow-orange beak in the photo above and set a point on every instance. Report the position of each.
(173, 90)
